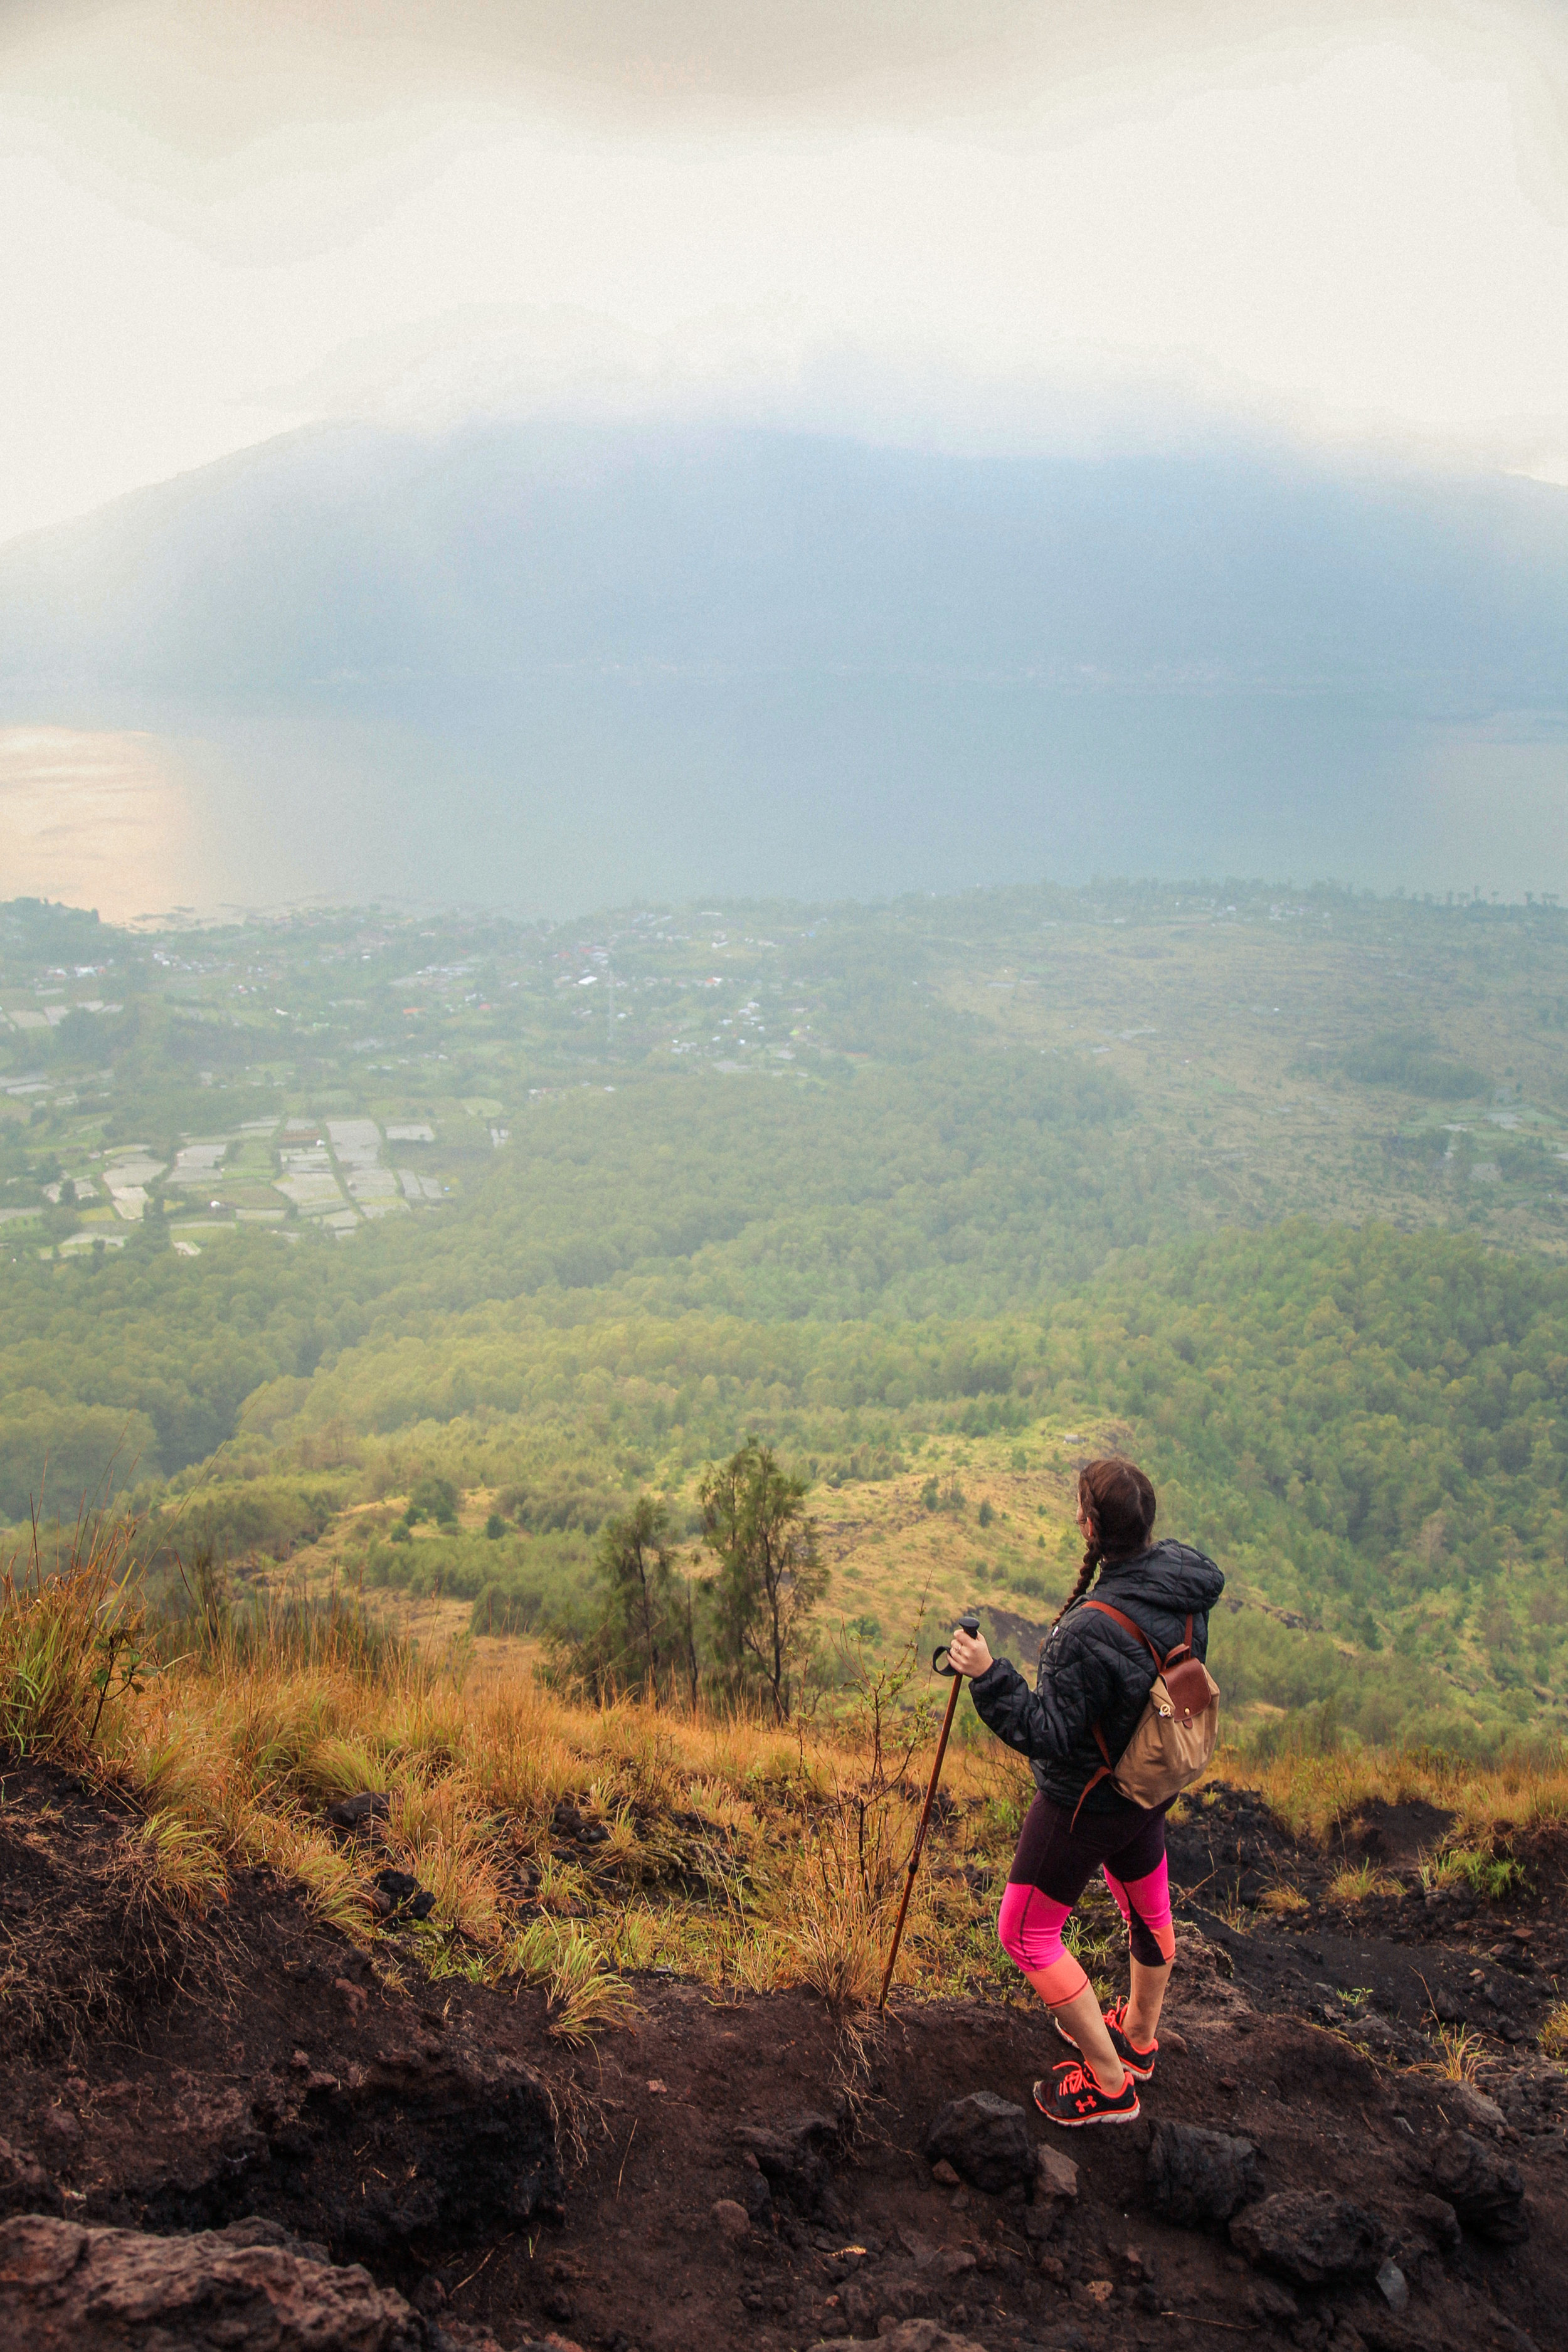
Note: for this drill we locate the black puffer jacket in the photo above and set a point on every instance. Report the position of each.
(1091, 1672)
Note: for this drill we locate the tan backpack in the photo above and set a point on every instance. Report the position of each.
(1176, 1731)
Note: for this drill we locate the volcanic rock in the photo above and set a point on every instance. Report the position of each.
(1478, 2112)
(1198, 2178)
(1311, 2236)
(925, 2335)
(792, 2157)
(24, 2186)
(986, 2140)
(399, 1891)
(1436, 2219)
(80, 2290)
(1484, 2190)
(1392, 2287)
(1056, 2175)
(355, 1813)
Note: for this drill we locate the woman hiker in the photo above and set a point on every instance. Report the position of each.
(1094, 1672)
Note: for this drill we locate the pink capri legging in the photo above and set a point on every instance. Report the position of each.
(1050, 1870)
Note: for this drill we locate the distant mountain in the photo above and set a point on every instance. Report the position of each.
(561, 665)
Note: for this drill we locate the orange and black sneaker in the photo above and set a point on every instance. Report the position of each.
(1072, 2097)
(1139, 2063)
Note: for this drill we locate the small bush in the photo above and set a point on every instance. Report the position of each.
(502, 1609)
(434, 1498)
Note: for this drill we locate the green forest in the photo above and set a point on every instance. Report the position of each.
(1268, 1190)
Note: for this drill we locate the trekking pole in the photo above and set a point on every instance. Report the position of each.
(969, 1624)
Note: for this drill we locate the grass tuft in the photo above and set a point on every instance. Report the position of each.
(1461, 2053)
(1359, 1880)
(183, 1863)
(582, 1991)
(1463, 1869)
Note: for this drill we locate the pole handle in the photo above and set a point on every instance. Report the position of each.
(968, 1623)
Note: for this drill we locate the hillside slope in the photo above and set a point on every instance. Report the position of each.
(749, 2165)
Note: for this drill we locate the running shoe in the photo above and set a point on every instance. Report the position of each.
(1072, 2097)
(1139, 2063)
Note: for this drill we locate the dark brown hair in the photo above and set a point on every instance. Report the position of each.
(1120, 1501)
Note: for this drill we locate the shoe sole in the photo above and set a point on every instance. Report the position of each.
(1128, 2065)
(1081, 2122)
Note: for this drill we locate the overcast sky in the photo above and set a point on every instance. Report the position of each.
(967, 224)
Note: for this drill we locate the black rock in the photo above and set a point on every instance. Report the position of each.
(1485, 2191)
(398, 1892)
(24, 2186)
(757, 2196)
(353, 1812)
(985, 2140)
(1436, 2219)
(1197, 2177)
(1309, 2235)
(793, 2158)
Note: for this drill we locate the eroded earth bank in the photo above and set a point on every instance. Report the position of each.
(235, 2136)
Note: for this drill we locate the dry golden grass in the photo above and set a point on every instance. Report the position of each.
(1460, 2054)
(1281, 1899)
(1359, 1880)
(1316, 1795)
(737, 1852)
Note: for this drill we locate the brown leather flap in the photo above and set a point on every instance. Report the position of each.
(1189, 1686)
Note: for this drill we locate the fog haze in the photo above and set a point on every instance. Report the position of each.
(557, 666)
(546, 453)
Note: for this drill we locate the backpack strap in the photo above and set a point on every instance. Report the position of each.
(1095, 1779)
(1183, 1647)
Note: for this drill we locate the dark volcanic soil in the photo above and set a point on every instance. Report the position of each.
(444, 2139)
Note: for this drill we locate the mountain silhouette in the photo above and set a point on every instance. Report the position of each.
(560, 665)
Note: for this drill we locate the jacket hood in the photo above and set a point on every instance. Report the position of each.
(1170, 1574)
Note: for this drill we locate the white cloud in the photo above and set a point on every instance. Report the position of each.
(1346, 228)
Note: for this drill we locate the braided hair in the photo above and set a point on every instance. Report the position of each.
(1119, 1501)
